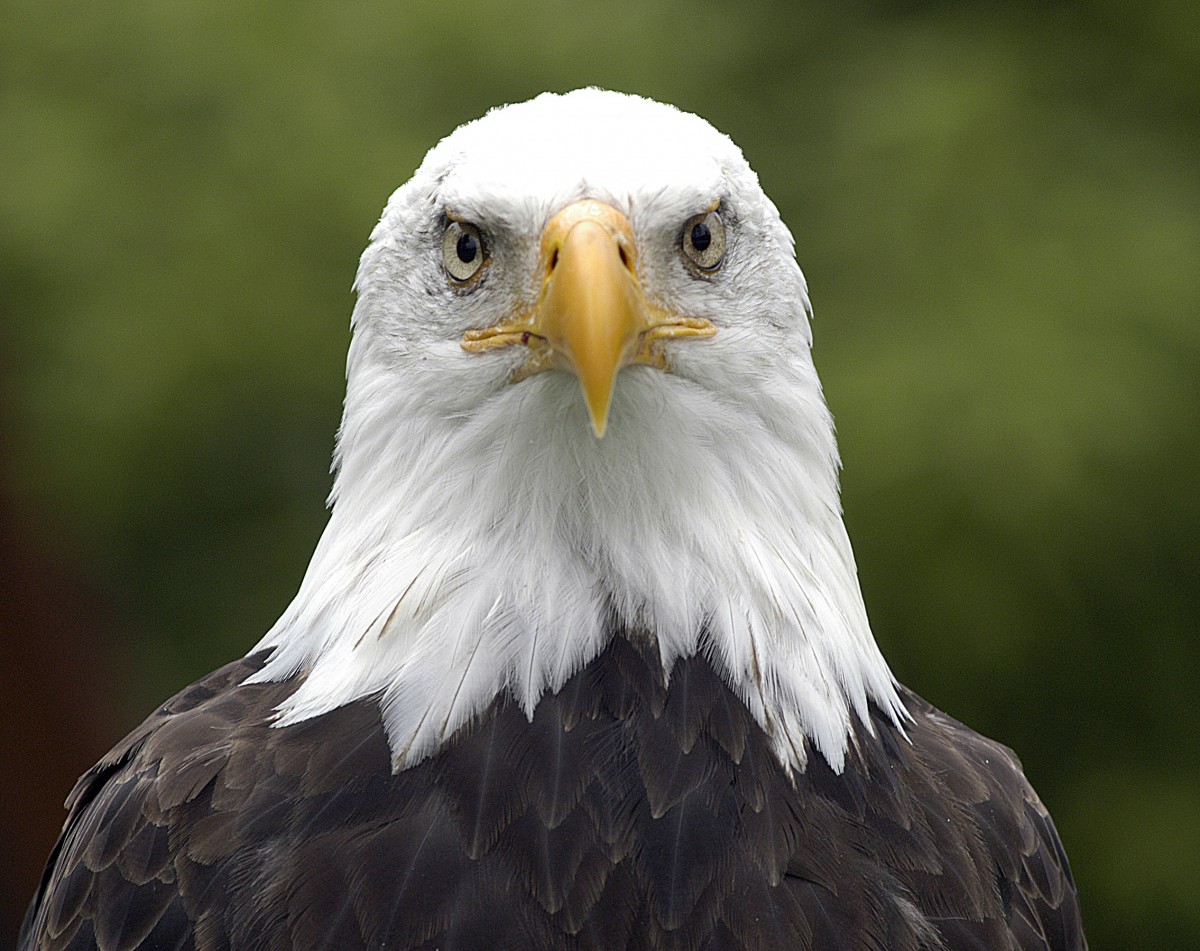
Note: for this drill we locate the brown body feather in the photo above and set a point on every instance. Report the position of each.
(629, 814)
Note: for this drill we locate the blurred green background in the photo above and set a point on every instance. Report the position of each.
(997, 207)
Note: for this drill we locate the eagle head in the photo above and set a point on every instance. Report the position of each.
(581, 403)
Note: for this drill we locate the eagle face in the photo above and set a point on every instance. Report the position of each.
(586, 234)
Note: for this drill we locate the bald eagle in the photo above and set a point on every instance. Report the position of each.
(581, 659)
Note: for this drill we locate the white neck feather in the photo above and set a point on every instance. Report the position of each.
(490, 551)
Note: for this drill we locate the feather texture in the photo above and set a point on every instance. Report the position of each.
(617, 818)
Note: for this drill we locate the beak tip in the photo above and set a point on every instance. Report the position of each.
(597, 399)
(600, 425)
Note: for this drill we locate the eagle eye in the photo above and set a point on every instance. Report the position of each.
(703, 241)
(463, 252)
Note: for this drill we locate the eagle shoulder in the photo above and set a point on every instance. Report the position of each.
(1019, 891)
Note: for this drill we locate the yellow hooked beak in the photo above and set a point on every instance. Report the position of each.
(591, 316)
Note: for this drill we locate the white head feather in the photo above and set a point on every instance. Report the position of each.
(484, 540)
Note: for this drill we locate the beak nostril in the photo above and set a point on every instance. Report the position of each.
(624, 256)
(553, 260)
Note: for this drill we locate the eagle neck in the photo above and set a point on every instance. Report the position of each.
(498, 552)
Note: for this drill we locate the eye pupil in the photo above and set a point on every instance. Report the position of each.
(701, 236)
(467, 247)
